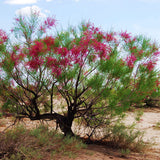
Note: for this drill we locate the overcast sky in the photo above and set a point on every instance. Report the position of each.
(135, 16)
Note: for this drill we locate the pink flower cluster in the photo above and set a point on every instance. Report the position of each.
(36, 49)
(131, 60)
(102, 49)
(63, 51)
(35, 63)
(157, 53)
(92, 45)
(35, 52)
(150, 65)
(16, 58)
(3, 37)
(125, 35)
(56, 65)
(49, 42)
(111, 37)
(49, 22)
(157, 83)
(51, 62)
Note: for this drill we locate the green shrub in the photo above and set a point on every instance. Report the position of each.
(38, 143)
(126, 137)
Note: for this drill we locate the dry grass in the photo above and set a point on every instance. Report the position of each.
(39, 143)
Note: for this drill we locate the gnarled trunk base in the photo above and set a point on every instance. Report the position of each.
(63, 122)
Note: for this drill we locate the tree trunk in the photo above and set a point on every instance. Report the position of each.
(64, 122)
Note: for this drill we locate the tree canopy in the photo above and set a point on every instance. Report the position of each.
(97, 74)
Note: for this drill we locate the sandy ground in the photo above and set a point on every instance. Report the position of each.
(148, 123)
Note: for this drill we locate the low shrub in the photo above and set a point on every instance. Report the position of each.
(125, 137)
(38, 143)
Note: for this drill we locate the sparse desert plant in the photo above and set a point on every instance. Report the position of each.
(126, 137)
(37, 143)
(1, 115)
(138, 114)
(157, 125)
(125, 152)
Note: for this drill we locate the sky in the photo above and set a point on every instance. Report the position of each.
(133, 16)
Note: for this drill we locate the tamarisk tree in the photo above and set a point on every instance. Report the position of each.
(98, 74)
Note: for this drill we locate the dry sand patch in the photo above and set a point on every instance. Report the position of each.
(147, 124)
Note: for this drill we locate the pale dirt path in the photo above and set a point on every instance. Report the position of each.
(147, 123)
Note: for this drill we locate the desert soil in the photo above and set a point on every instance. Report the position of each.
(148, 124)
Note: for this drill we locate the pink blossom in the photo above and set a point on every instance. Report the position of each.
(36, 48)
(101, 48)
(21, 56)
(95, 29)
(156, 53)
(12, 30)
(134, 47)
(14, 58)
(85, 41)
(49, 41)
(79, 61)
(57, 71)
(43, 29)
(125, 35)
(88, 34)
(110, 37)
(17, 19)
(35, 63)
(100, 35)
(134, 39)
(141, 52)
(3, 37)
(49, 22)
(64, 62)
(75, 51)
(63, 51)
(50, 61)
(131, 60)
(157, 83)
(88, 24)
(150, 65)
